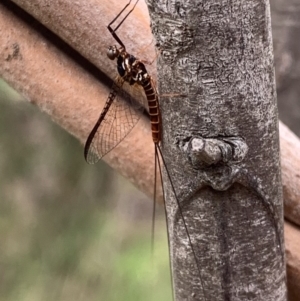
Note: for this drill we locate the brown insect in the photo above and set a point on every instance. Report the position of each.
(117, 118)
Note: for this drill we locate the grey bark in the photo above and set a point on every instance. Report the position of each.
(220, 143)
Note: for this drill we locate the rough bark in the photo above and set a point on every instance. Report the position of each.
(64, 86)
(217, 143)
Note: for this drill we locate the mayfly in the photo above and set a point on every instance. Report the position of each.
(117, 120)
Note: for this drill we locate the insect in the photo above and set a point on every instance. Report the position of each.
(117, 120)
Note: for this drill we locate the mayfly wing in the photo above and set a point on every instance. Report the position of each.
(116, 120)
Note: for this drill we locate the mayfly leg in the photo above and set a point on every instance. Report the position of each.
(113, 31)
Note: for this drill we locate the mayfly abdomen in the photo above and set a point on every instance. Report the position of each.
(153, 111)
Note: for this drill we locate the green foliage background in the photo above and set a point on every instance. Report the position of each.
(68, 230)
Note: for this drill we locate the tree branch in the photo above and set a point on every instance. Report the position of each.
(65, 85)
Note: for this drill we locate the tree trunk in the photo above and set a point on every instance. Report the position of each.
(221, 147)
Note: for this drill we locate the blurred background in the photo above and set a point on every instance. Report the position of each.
(69, 230)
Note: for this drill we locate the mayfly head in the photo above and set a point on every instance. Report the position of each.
(113, 52)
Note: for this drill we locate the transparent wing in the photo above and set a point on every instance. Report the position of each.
(116, 120)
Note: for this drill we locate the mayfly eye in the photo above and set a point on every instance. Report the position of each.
(112, 52)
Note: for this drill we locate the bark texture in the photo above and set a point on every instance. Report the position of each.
(217, 143)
